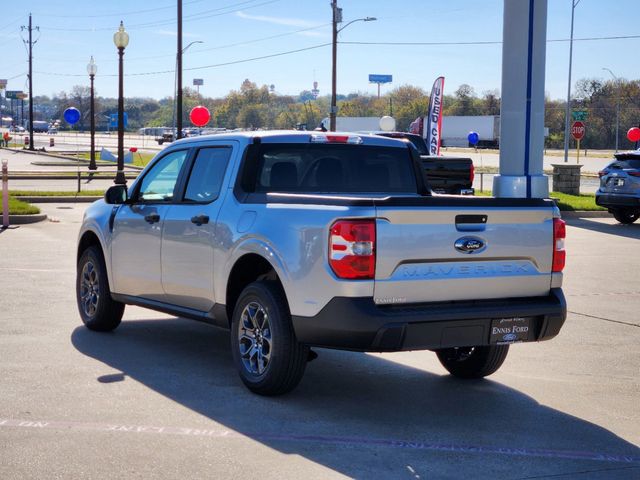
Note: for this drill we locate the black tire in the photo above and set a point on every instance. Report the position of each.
(97, 309)
(473, 362)
(626, 217)
(261, 327)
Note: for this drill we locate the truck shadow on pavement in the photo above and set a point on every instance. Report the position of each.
(617, 229)
(357, 413)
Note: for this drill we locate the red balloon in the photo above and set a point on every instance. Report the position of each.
(200, 116)
(634, 134)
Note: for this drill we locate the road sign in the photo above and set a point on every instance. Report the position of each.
(577, 130)
(12, 94)
(376, 78)
(113, 120)
(198, 82)
(579, 115)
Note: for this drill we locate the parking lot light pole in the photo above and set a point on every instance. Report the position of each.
(617, 104)
(121, 40)
(337, 18)
(92, 69)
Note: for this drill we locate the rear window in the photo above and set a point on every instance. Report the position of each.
(625, 164)
(322, 168)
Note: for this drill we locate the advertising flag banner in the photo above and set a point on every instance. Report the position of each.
(433, 132)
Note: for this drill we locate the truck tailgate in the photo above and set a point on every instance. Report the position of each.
(481, 250)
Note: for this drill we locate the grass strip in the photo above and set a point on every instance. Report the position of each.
(585, 202)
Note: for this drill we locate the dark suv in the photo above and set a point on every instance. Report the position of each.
(619, 188)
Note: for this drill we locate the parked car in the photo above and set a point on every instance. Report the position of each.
(52, 131)
(300, 239)
(619, 188)
(445, 174)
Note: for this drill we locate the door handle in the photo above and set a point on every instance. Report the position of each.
(152, 218)
(200, 219)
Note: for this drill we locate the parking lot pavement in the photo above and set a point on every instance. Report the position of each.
(160, 398)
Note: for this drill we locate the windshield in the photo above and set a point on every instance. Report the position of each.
(328, 168)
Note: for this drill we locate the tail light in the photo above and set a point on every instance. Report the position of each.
(333, 138)
(559, 253)
(634, 174)
(601, 173)
(472, 174)
(352, 249)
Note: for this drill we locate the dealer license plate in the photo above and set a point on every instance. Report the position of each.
(510, 330)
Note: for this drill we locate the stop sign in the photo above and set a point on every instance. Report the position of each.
(577, 130)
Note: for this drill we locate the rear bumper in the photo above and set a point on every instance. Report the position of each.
(358, 324)
(612, 200)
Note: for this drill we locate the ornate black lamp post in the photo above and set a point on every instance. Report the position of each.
(121, 40)
(92, 69)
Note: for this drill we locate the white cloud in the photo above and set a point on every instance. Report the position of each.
(290, 22)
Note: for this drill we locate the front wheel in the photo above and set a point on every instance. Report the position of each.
(473, 362)
(267, 354)
(97, 309)
(626, 216)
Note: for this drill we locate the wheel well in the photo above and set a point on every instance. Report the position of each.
(89, 239)
(248, 269)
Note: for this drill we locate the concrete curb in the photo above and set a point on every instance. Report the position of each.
(26, 219)
(65, 199)
(586, 214)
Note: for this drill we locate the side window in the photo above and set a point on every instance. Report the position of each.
(159, 183)
(207, 174)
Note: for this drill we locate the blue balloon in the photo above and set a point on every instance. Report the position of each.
(473, 138)
(71, 115)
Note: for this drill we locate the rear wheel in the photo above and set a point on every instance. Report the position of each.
(97, 309)
(269, 358)
(626, 216)
(473, 362)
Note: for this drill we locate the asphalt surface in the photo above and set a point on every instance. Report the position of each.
(159, 397)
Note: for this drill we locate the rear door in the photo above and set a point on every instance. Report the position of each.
(446, 253)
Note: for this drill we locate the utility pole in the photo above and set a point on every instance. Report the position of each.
(31, 43)
(567, 111)
(336, 18)
(179, 74)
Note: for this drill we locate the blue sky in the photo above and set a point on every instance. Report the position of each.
(231, 30)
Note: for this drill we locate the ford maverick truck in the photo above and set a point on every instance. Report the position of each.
(293, 240)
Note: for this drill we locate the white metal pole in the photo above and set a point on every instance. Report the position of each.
(567, 112)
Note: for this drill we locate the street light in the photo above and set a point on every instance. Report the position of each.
(121, 40)
(617, 104)
(337, 18)
(92, 69)
(178, 94)
(567, 112)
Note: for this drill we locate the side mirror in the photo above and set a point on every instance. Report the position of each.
(116, 195)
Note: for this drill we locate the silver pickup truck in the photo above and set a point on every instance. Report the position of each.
(295, 240)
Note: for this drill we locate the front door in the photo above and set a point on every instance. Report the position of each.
(188, 237)
(137, 230)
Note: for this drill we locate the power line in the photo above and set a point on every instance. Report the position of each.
(193, 17)
(117, 14)
(215, 65)
(200, 50)
(492, 42)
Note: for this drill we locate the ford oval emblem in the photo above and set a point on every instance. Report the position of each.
(470, 245)
(509, 337)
